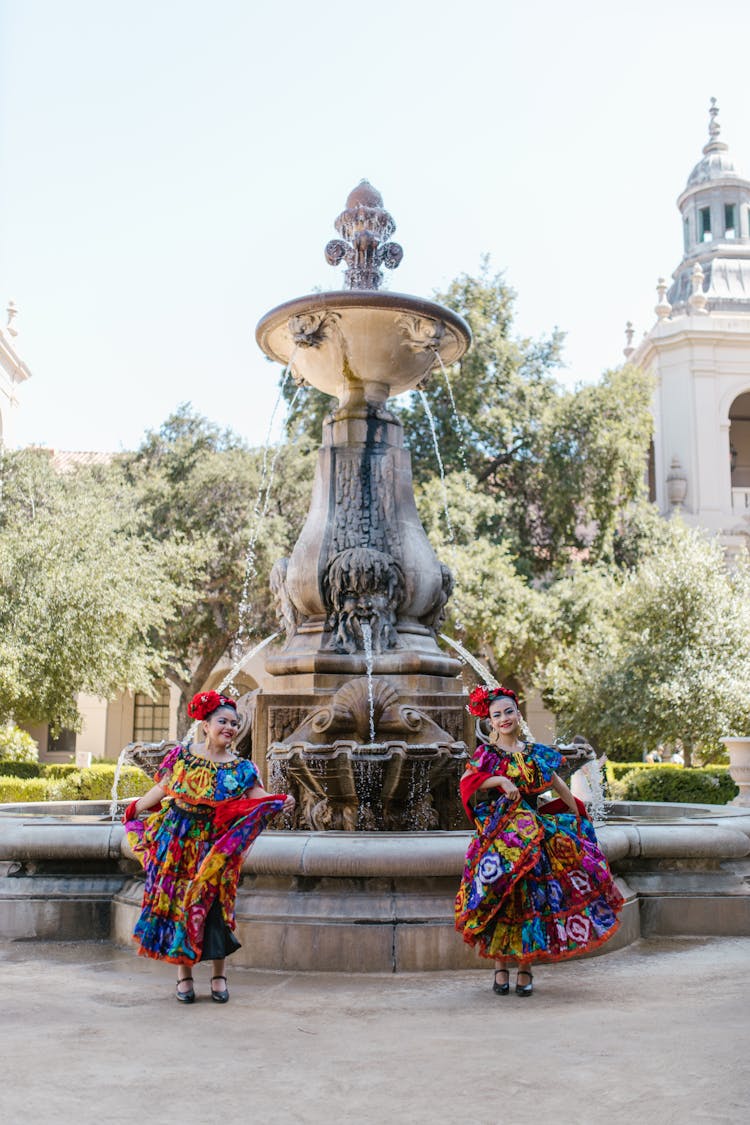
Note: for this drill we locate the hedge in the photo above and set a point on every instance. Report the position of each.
(91, 784)
(13, 789)
(59, 769)
(617, 770)
(19, 769)
(710, 785)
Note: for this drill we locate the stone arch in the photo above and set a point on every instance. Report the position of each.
(739, 439)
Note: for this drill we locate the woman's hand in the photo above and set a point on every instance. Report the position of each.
(289, 804)
(509, 789)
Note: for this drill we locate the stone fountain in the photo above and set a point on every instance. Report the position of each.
(365, 720)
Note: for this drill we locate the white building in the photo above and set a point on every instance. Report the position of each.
(699, 353)
(12, 372)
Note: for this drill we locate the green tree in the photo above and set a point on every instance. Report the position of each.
(663, 655)
(197, 486)
(82, 597)
(563, 466)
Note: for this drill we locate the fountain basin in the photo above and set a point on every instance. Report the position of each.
(343, 341)
(363, 902)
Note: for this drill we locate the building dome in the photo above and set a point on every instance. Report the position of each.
(716, 164)
(714, 274)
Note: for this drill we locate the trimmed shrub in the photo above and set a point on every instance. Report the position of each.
(617, 770)
(16, 745)
(20, 769)
(67, 783)
(18, 789)
(59, 769)
(96, 782)
(711, 785)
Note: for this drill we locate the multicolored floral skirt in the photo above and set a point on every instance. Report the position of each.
(192, 872)
(535, 887)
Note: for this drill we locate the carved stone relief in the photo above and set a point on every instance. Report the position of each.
(363, 586)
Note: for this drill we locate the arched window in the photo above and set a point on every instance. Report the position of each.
(739, 450)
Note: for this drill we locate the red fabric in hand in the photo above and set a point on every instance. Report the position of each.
(129, 813)
(468, 785)
(227, 811)
(559, 806)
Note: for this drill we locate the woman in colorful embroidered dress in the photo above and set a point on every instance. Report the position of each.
(203, 814)
(535, 886)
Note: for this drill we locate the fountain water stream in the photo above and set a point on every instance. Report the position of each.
(439, 459)
(367, 636)
(457, 420)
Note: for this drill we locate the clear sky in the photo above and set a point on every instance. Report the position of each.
(170, 170)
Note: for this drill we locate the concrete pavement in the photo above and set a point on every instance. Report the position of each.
(657, 1032)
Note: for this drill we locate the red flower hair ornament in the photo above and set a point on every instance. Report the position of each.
(206, 702)
(482, 696)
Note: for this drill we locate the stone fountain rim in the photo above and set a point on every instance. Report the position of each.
(355, 298)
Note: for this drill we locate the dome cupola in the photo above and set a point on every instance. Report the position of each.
(715, 209)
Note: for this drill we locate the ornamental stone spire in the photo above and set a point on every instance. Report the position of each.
(715, 209)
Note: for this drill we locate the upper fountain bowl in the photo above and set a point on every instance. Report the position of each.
(355, 344)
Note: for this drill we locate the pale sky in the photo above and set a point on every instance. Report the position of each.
(170, 170)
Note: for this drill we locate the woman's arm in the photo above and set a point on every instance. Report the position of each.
(504, 783)
(257, 792)
(154, 797)
(562, 790)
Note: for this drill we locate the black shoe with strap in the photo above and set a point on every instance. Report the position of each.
(188, 996)
(524, 989)
(501, 989)
(220, 995)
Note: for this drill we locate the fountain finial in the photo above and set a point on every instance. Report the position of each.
(364, 227)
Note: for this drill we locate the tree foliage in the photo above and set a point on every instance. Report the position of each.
(563, 466)
(82, 597)
(664, 654)
(202, 489)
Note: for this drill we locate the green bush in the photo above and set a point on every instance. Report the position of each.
(96, 782)
(617, 770)
(67, 783)
(13, 789)
(711, 785)
(20, 769)
(16, 745)
(59, 769)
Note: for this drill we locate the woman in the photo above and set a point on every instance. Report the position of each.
(535, 886)
(204, 812)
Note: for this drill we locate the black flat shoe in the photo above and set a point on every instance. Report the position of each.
(220, 995)
(524, 989)
(187, 997)
(501, 989)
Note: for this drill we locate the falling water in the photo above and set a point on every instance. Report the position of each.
(367, 638)
(121, 760)
(431, 420)
(593, 797)
(234, 671)
(467, 657)
(457, 421)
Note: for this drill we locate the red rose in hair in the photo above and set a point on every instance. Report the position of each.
(479, 702)
(481, 697)
(206, 702)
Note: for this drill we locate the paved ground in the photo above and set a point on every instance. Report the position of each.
(657, 1033)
